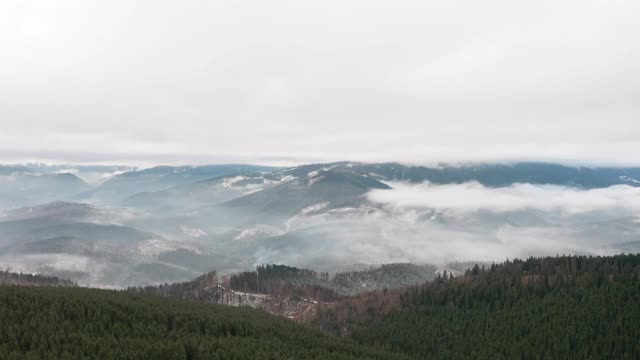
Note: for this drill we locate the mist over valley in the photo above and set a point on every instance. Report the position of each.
(168, 224)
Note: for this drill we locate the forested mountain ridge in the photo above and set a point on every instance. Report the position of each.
(288, 291)
(268, 278)
(569, 307)
(289, 281)
(10, 278)
(72, 323)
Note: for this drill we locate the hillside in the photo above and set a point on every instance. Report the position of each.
(329, 186)
(18, 189)
(288, 291)
(556, 307)
(93, 247)
(69, 323)
(570, 307)
(270, 279)
(160, 178)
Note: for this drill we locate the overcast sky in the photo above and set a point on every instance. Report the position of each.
(297, 81)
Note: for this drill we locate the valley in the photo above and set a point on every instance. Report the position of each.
(172, 224)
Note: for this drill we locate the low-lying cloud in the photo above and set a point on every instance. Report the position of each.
(472, 196)
(439, 224)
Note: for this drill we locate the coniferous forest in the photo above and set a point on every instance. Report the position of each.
(569, 307)
(542, 308)
(79, 323)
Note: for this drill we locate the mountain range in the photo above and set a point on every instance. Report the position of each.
(167, 224)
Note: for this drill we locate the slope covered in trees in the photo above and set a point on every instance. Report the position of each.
(277, 298)
(11, 278)
(284, 281)
(561, 307)
(542, 308)
(386, 276)
(73, 323)
(274, 279)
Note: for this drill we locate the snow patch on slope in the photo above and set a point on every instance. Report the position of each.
(153, 247)
(247, 234)
(228, 182)
(314, 208)
(283, 179)
(193, 232)
(259, 231)
(629, 179)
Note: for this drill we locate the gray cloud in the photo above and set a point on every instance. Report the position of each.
(414, 81)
